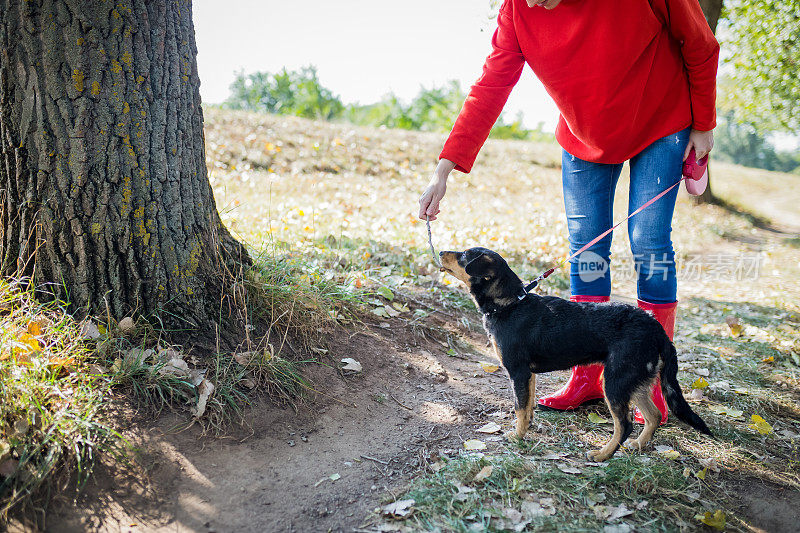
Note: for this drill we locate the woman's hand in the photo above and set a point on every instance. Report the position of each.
(701, 141)
(429, 201)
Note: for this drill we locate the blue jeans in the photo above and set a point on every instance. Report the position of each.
(589, 200)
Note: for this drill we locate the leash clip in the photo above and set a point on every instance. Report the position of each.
(528, 288)
(430, 241)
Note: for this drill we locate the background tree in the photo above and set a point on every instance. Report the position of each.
(763, 87)
(103, 180)
(712, 9)
(297, 93)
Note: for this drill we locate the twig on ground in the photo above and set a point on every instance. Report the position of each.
(399, 403)
(367, 457)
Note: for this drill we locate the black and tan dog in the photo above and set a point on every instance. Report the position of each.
(532, 334)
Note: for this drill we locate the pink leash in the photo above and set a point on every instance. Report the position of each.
(583, 248)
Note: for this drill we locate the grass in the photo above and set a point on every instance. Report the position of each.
(524, 491)
(54, 418)
(61, 380)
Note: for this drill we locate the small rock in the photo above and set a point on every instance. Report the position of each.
(126, 325)
(291, 443)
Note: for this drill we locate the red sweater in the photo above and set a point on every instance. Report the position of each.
(623, 73)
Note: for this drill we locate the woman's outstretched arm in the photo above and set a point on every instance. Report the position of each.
(487, 96)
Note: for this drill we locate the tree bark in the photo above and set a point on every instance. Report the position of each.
(104, 192)
(712, 10)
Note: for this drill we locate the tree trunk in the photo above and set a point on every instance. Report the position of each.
(104, 193)
(712, 10)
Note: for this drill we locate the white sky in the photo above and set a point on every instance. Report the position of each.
(363, 49)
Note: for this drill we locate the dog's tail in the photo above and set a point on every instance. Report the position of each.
(672, 392)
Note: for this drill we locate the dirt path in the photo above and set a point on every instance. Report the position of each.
(374, 430)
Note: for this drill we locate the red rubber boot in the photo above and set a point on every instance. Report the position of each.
(585, 383)
(665, 314)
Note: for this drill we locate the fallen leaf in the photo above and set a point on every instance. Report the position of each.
(701, 371)
(567, 469)
(700, 383)
(89, 330)
(204, 391)
(463, 491)
(727, 411)
(474, 444)
(532, 509)
(666, 451)
(760, 425)
(20, 428)
(734, 325)
(380, 311)
(484, 472)
(618, 512)
(489, 367)
(398, 509)
(715, 520)
(243, 358)
(8, 467)
(351, 364)
(701, 474)
(770, 359)
(175, 367)
(696, 395)
(5, 450)
(27, 343)
(491, 427)
(34, 328)
(386, 292)
(594, 418)
(403, 308)
(710, 464)
(554, 456)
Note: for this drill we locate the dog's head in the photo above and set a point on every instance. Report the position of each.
(485, 273)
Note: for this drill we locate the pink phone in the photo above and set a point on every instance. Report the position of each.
(697, 172)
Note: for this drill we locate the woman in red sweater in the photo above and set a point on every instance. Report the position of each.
(634, 81)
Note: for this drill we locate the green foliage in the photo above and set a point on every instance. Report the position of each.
(297, 93)
(764, 38)
(743, 144)
(300, 93)
(433, 109)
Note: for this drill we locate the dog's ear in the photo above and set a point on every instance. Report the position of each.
(479, 267)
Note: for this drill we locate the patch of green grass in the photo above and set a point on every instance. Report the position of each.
(550, 499)
(54, 419)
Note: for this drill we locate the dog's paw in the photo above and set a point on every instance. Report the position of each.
(598, 456)
(512, 436)
(635, 444)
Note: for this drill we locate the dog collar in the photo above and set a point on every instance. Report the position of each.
(527, 288)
